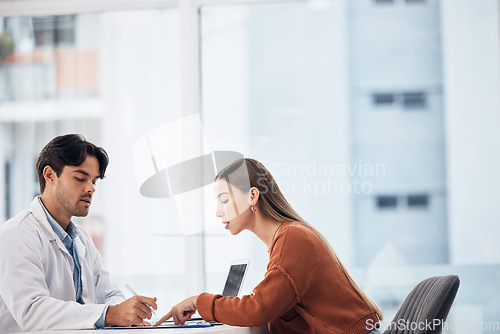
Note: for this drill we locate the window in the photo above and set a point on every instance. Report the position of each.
(418, 201)
(133, 56)
(383, 99)
(258, 64)
(412, 201)
(54, 30)
(404, 100)
(414, 100)
(387, 202)
(48, 62)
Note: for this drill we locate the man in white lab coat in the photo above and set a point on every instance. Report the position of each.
(51, 274)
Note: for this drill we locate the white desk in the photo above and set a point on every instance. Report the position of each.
(216, 329)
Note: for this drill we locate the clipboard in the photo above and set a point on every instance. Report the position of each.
(197, 324)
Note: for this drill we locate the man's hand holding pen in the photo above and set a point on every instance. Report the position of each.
(131, 312)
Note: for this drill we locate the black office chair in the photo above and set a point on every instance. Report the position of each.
(426, 308)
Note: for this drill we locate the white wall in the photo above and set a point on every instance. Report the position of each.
(472, 120)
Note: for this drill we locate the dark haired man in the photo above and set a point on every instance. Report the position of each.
(51, 274)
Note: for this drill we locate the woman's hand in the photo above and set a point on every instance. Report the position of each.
(180, 312)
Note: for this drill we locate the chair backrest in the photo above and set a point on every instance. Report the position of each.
(426, 307)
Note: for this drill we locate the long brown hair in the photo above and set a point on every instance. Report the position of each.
(247, 173)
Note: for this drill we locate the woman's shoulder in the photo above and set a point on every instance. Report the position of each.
(297, 244)
(297, 230)
(296, 235)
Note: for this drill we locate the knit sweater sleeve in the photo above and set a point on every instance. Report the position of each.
(274, 296)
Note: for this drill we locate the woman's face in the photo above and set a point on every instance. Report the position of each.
(232, 206)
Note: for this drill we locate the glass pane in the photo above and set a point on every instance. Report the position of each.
(300, 86)
(383, 99)
(389, 202)
(415, 100)
(418, 201)
(112, 77)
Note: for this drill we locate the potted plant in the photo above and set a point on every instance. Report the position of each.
(6, 45)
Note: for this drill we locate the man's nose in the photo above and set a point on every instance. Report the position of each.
(90, 187)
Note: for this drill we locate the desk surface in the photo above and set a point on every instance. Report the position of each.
(216, 329)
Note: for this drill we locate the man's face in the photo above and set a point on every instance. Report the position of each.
(73, 189)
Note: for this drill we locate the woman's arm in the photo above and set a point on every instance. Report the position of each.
(180, 312)
(273, 297)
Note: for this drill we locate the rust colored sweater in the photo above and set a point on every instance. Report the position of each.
(303, 291)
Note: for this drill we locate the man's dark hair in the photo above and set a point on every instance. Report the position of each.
(68, 150)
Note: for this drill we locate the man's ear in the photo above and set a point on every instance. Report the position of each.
(49, 175)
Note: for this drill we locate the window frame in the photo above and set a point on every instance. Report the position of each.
(190, 71)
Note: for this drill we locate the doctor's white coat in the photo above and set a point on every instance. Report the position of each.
(36, 277)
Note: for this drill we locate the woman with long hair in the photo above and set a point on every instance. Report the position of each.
(306, 288)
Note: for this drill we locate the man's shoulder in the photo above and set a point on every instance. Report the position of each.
(18, 221)
(23, 225)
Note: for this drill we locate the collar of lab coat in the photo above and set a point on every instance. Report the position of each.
(37, 211)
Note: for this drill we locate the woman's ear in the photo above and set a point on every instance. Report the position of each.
(254, 195)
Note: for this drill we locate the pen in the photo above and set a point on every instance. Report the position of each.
(129, 288)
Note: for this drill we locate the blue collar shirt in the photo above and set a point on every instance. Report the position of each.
(68, 239)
